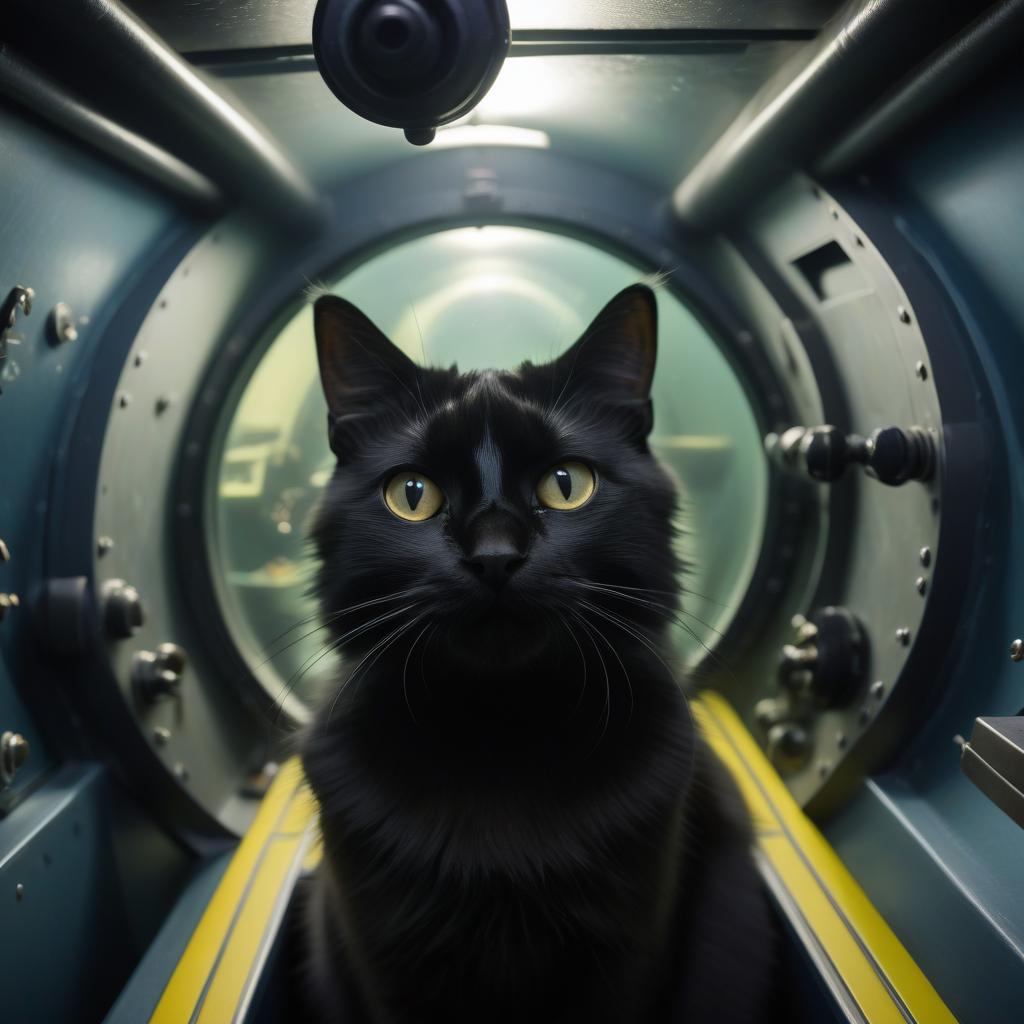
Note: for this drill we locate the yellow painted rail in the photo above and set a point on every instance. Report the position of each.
(865, 965)
(217, 974)
(859, 956)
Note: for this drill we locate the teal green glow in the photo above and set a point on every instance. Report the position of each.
(481, 297)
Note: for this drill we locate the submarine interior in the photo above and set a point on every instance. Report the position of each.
(829, 200)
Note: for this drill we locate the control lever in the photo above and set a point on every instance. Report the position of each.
(892, 455)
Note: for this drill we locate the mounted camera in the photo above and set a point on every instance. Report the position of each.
(410, 64)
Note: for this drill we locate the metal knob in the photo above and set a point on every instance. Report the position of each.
(157, 674)
(829, 660)
(788, 747)
(892, 455)
(123, 611)
(7, 602)
(13, 752)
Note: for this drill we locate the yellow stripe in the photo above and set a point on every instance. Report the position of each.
(212, 976)
(864, 950)
(216, 962)
(228, 983)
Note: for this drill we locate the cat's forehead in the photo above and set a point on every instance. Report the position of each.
(488, 410)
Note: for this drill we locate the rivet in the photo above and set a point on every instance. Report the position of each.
(824, 767)
(903, 635)
(104, 544)
(7, 602)
(920, 369)
(162, 735)
(920, 585)
(877, 689)
(19, 892)
(14, 750)
(181, 771)
(5, 551)
(925, 554)
(1017, 650)
(140, 357)
(62, 323)
(162, 404)
(904, 314)
(864, 715)
(124, 400)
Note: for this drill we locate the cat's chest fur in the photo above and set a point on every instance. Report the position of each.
(456, 888)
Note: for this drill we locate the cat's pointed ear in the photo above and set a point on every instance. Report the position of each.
(613, 361)
(362, 372)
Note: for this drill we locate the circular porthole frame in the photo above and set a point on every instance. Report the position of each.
(462, 188)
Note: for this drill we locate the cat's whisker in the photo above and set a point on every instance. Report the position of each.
(607, 681)
(583, 660)
(405, 669)
(370, 658)
(331, 647)
(625, 671)
(325, 621)
(631, 630)
(653, 590)
(662, 609)
(668, 669)
(423, 655)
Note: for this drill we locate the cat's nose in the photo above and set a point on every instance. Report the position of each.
(494, 565)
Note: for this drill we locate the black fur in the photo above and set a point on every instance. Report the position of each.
(519, 820)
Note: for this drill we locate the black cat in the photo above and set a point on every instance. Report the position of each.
(520, 822)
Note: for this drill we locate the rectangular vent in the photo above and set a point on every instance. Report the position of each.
(830, 272)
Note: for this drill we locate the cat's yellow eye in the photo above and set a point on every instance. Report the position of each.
(413, 497)
(567, 486)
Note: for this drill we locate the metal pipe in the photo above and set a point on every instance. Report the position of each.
(186, 110)
(801, 111)
(958, 63)
(37, 94)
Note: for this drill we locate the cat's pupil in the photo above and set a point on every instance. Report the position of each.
(413, 493)
(564, 481)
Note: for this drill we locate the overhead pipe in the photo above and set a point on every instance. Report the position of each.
(802, 111)
(976, 50)
(94, 42)
(38, 94)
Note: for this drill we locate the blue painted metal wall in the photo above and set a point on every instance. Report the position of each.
(85, 876)
(942, 863)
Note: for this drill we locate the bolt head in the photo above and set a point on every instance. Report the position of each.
(123, 612)
(1017, 650)
(925, 554)
(788, 746)
(921, 585)
(13, 752)
(5, 552)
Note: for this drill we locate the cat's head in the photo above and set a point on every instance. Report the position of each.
(496, 508)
